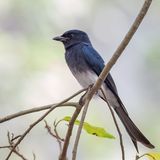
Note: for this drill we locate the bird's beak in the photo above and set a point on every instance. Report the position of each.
(60, 38)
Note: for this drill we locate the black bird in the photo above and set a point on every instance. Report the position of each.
(86, 65)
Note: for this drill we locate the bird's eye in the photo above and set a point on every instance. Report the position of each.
(72, 35)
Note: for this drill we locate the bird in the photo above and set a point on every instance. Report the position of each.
(86, 64)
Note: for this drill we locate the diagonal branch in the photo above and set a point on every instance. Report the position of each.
(111, 62)
(74, 152)
(41, 108)
(92, 91)
(39, 120)
(116, 124)
(33, 110)
(55, 134)
(63, 155)
(122, 46)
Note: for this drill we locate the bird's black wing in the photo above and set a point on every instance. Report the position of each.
(96, 63)
(92, 58)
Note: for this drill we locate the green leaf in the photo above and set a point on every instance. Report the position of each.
(93, 130)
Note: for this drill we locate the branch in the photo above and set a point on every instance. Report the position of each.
(35, 109)
(110, 64)
(87, 100)
(70, 127)
(55, 135)
(116, 124)
(122, 46)
(40, 119)
(41, 108)
(88, 96)
(59, 140)
(11, 139)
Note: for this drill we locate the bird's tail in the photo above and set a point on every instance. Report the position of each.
(134, 133)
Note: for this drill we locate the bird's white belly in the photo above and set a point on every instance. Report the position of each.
(86, 78)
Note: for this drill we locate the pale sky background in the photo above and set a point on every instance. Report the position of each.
(33, 72)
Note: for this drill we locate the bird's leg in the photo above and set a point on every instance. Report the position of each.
(83, 97)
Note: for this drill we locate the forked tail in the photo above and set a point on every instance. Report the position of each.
(134, 133)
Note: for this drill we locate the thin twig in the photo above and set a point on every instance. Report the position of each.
(51, 133)
(116, 124)
(55, 124)
(59, 140)
(14, 138)
(34, 109)
(87, 100)
(3, 147)
(63, 155)
(11, 138)
(19, 154)
(39, 120)
(15, 151)
(55, 135)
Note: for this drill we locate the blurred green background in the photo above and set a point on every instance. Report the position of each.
(33, 71)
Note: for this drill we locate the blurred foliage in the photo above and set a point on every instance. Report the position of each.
(153, 57)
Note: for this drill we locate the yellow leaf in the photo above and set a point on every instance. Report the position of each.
(153, 156)
(90, 129)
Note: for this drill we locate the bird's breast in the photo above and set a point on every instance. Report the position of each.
(79, 68)
(75, 60)
(85, 78)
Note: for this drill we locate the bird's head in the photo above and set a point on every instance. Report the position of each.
(72, 37)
